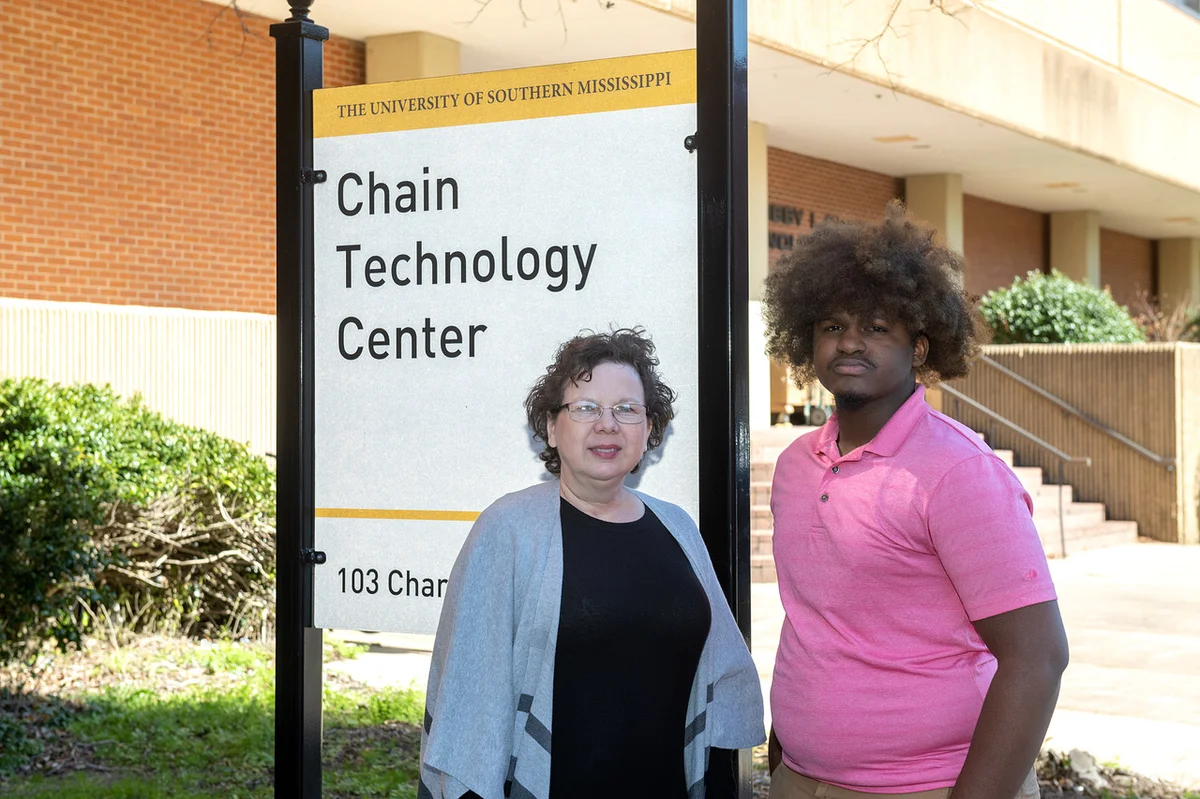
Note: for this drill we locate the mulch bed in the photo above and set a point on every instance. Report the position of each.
(1076, 775)
(42, 698)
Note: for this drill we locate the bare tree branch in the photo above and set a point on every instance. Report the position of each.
(1161, 323)
(563, 17)
(889, 28)
(240, 15)
(526, 19)
(483, 6)
(188, 559)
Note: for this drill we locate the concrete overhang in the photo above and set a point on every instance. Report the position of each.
(807, 108)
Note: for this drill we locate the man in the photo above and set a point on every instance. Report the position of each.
(922, 647)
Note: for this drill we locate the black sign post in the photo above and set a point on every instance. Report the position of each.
(721, 142)
(298, 71)
(724, 296)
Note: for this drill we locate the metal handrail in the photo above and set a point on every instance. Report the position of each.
(958, 395)
(1161, 460)
(1053, 450)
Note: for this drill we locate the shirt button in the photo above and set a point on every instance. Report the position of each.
(836, 469)
(824, 497)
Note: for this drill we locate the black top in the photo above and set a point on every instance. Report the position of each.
(633, 622)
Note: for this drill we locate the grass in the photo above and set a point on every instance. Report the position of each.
(183, 720)
(175, 719)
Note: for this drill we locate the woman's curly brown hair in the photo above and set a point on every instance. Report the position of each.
(893, 269)
(574, 362)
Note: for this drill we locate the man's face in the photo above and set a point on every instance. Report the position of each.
(859, 360)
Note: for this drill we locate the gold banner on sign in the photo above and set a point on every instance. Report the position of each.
(583, 87)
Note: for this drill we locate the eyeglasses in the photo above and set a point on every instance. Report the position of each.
(586, 411)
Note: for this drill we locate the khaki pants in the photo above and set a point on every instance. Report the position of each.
(787, 784)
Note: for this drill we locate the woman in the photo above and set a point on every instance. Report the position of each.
(582, 607)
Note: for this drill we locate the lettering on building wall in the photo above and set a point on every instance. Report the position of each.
(781, 241)
(787, 215)
(791, 216)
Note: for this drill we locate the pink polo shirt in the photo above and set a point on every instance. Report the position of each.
(884, 556)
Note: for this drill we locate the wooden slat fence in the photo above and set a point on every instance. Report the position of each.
(213, 370)
(1148, 393)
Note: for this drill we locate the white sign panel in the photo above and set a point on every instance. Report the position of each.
(468, 226)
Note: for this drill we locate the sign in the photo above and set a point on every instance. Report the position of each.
(792, 217)
(467, 226)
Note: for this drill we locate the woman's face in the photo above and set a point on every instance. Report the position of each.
(602, 452)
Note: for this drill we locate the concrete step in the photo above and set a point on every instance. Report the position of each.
(1074, 513)
(1077, 514)
(1030, 477)
(1083, 517)
(763, 453)
(1084, 524)
(762, 569)
(1047, 494)
(1078, 532)
(777, 437)
(1108, 534)
(761, 519)
(761, 471)
(761, 543)
(1078, 538)
(1042, 493)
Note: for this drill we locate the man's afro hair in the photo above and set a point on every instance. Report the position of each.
(893, 269)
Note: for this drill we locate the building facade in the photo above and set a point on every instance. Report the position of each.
(137, 143)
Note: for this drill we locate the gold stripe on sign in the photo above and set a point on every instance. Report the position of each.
(410, 515)
(584, 87)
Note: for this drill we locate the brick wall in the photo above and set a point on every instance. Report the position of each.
(1001, 242)
(798, 183)
(137, 159)
(803, 191)
(1126, 265)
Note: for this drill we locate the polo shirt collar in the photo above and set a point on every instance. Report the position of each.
(889, 439)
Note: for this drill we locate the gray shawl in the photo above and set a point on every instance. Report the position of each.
(488, 713)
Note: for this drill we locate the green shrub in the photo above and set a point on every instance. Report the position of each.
(54, 478)
(89, 484)
(1191, 328)
(1053, 309)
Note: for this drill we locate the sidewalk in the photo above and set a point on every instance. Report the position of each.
(1131, 694)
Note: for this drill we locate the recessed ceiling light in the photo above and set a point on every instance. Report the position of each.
(1186, 220)
(1066, 184)
(897, 139)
